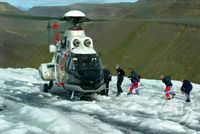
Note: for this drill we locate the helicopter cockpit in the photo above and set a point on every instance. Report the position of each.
(85, 70)
(83, 62)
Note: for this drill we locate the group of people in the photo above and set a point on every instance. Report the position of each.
(135, 79)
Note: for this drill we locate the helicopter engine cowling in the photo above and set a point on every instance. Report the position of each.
(47, 71)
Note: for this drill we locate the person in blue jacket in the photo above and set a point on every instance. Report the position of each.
(186, 88)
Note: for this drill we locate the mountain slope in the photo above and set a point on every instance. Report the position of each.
(132, 40)
(151, 48)
(92, 10)
(19, 39)
(5, 7)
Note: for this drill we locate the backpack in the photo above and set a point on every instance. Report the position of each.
(168, 78)
(110, 77)
(139, 77)
(107, 75)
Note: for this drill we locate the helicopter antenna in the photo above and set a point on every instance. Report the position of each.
(49, 28)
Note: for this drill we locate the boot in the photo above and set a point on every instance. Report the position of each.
(137, 91)
(187, 100)
(173, 95)
(118, 94)
(129, 93)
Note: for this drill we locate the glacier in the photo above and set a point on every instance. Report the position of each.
(25, 109)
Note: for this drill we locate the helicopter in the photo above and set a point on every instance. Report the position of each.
(75, 65)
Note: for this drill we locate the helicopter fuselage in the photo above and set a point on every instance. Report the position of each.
(75, 66)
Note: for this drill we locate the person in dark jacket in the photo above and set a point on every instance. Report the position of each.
(186, 89)
(167, 81)
(120, 78)
(107, 78)
(135, 78)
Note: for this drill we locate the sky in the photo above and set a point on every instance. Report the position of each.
(30, 3)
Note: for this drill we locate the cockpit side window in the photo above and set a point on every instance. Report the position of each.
(68, 44)
(63, 43)
(67, 63)
(58, 59)
(73, 63)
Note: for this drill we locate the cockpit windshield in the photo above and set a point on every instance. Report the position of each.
(84, 62)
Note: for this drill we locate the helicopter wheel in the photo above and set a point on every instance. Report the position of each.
(87, 97)
(50, 84)
(46, 88)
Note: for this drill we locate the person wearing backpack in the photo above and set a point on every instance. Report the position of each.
(167, 81)
(186, 89)
(135, 78)
(107, 78)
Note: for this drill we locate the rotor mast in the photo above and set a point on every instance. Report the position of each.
(74, 19)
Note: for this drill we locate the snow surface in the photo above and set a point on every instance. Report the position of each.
(25, 109)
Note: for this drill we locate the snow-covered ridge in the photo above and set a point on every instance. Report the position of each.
(25, 109)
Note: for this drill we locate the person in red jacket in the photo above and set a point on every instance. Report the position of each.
(167, 81)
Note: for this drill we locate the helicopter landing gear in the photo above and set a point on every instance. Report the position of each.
(87, 97)
(47, 86)
(72, 95)
(50, 84)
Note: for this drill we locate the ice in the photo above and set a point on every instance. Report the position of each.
(25, 109)
(161, 125)
(56, 122)
(25, 75)
(20, 128)
(4, 124)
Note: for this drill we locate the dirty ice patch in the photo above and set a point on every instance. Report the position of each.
(2, 104)
(61, 122)
(82, 107)
(157, 125)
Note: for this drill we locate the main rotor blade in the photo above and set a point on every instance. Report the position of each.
(190, 22)
(28, 17)
(44, 18)
(88, 19)
(181, 21)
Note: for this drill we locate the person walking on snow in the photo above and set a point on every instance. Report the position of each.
(167, 81)
(107, 78)
(186, 89)
(120, 78)
(135, 78)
